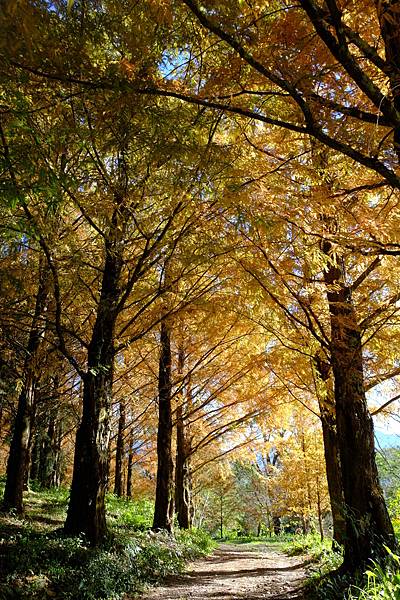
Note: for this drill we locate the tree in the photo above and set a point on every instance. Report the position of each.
(302, 86)
(164, 489)
(300, 306)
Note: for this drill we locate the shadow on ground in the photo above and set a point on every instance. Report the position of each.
(238, 573)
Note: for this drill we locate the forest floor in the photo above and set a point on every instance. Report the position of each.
(238, 572)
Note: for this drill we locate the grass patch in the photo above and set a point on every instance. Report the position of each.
(260, 539)
(310, 544)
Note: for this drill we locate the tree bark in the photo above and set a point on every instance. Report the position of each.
(183, 478)
(130, 468)
(183, 475)
(368, 526)
(334, 475)
(49, 464)
(57, 474)
(45, 466)
(35, 456)
(320, 524)
(119, 457)
(331, 453)
(221, 515)
(18, 458)
(86, 509)
(162, 515)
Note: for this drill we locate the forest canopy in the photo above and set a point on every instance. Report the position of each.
(199, 261)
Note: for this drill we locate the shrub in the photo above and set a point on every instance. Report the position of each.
(37, 565)
(123, 512)
(195, 543)
(310, 544)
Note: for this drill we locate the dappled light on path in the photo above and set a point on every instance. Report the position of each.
(251, 572)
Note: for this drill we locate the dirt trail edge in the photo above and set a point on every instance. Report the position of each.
(236, 572)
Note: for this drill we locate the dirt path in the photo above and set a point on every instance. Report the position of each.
(237, 572)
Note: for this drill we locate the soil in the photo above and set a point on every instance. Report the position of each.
(237, 572)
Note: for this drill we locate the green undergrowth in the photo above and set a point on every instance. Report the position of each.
(322, 560)
(310, 544)
(37, 562)
(260, 539)
(380, 582)
(124, 513)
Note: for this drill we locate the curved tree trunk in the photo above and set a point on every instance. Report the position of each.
(164, 488)
(18, 458)
(368, 526)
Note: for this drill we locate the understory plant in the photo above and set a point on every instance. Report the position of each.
(37, 565)
(382, 581)
(38, 562)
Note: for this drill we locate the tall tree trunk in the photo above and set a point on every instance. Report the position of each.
(368, 526)
(35, 455)
(162, 516)
(86, 509)
(46, 447)
(119, 456)
(58, 456)
(320, 524)
(331, 452)
(221, 515)
(48, 458)
(334, 475)
(183, 475)
(130, 467)
(183, 478)
(18, 458)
